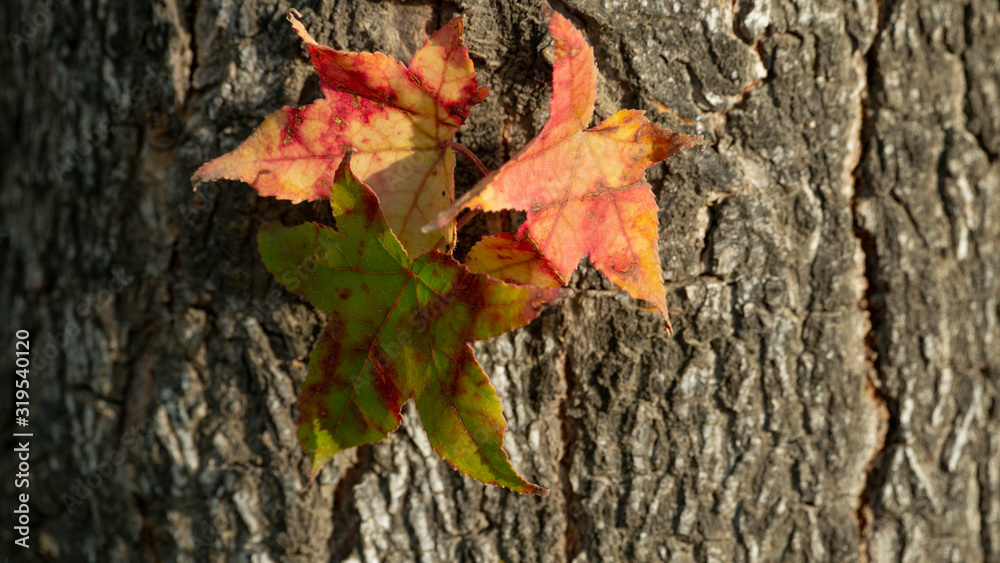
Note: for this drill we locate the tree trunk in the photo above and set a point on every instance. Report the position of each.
(832, 258)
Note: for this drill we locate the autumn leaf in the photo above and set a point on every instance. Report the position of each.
(503, 257)
(397, 329)
(584, 190)
(396, 120)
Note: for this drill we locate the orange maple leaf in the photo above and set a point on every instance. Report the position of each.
(517, 261)
(584, 190)
(397, 120)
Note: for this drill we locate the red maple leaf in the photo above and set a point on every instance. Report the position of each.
(584, 190)
(396, 120)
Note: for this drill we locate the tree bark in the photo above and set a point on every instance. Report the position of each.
(832, 258)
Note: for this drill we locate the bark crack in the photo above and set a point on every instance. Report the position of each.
(967, 104)
(191, 17)
(346, 519)
(872, 305)
(573, 509)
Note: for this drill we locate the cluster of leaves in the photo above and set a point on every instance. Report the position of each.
(401, 312)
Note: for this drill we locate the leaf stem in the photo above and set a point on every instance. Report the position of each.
(482, 170)
(438, 244)
(466, 218)
(458, 226)
(471, 156)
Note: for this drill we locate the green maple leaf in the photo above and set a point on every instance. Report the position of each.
(397, 329)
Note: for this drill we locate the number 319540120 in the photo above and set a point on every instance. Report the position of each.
(22, 348)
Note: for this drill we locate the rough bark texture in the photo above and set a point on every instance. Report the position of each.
(833, 260)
